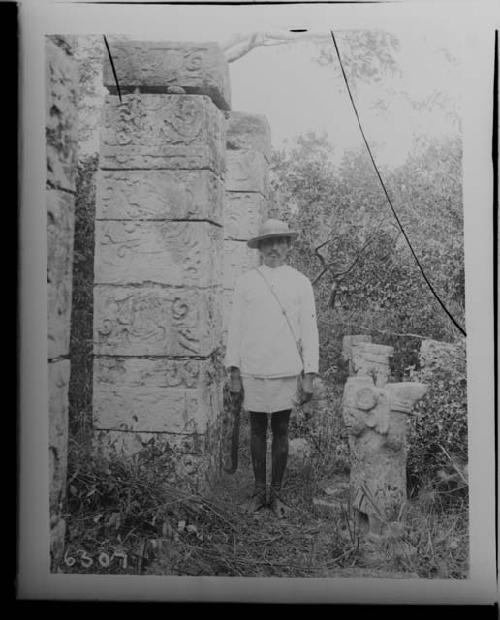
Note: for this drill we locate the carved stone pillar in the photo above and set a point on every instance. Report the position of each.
(159, 253)
(248, 145)
(62, 132)
(375, 418)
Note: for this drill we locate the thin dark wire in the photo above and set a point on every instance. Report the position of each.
(388, 198)
(113, 67)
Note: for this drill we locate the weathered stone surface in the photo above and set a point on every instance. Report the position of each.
(238, 258)
(159, 194)
(61, 113)
(60, 229)
(249, 132)
(162, 131)
(372, 360)
(150, 409)
(243, 214)
(376, 422)
(155, 395)
(246, 171)
(173, 253)
(349, 342)
(154, 67)
(58, 432)
(156, 321)
(227, 305)
(186, 374)
(57, 536)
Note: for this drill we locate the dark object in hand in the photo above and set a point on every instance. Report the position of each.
(236, 402)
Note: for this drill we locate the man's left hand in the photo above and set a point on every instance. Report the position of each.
(307, 387)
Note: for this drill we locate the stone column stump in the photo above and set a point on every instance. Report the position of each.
(372, 360)
(376, 418)
(348, 344)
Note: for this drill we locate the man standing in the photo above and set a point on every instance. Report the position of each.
(272, 346)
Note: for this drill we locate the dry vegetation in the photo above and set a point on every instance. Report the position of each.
(122, 506)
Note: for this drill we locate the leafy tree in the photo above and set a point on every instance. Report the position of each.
(372, 284)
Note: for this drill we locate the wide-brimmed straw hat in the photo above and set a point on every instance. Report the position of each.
(271, 228)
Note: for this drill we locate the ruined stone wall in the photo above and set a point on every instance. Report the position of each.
(61, 134)
(246, 195)
(159, 255)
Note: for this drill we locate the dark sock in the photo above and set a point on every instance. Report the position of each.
(258, 433)
(279, 454)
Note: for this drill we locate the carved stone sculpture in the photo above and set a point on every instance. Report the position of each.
(372, 360)
(375, 418)
(348, 344)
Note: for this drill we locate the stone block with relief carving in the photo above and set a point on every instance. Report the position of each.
(238, 258)
(162, 131)
(58, 383)
(60, 227)
(173, 253)
(154, 67)
(156, 320)
(61, 113)
(243, 214)
(246, 171)
(249, 132)
(149, 409)
(376, 421)
(159, 195)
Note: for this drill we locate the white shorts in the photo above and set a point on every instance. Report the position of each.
(268, 395)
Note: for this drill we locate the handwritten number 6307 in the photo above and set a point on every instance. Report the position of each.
(103, 559)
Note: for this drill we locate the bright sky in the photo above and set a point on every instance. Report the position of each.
(302, 95)
(296, 93)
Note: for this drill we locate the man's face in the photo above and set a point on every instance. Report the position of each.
(274, 251)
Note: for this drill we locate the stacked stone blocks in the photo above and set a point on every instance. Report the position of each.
(159, 253)
(248, 145)
(61, 150)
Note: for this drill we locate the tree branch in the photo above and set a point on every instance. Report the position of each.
(240, 45)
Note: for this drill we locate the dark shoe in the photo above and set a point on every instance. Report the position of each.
(256, 501)
(277, 505)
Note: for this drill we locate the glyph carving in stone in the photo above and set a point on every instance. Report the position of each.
(174, 253)
(149, 320)
(159, 194)
(243, 214)
(162, 131)
(154, 372)
(157, 67)
(375, 418)
(248, 132)
(247, 171)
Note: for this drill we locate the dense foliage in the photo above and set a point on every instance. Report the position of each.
(438, 433)
(373, 284)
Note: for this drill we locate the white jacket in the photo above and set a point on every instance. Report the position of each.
(260, 342)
